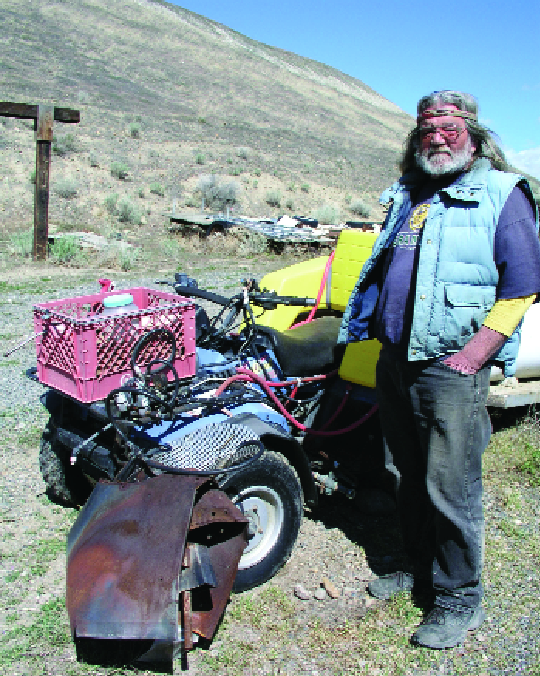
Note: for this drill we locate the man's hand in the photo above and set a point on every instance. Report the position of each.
(470, 359)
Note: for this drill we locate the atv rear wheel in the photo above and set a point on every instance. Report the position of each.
(65, 484)
(269, 493)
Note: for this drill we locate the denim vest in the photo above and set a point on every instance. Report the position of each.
(456, 278)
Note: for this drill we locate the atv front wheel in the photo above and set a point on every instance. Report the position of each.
(65, 484)
(269, 494)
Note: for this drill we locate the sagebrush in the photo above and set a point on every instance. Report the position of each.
(66, 187)
(273, 198)
(327, 214)
(128, 212)
(360, 208)
(217, 193)
(119, 170)
(65, 249)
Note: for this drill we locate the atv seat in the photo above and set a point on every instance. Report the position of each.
(304, 279)
(307, 350)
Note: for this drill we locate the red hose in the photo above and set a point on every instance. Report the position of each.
(319, 295)
(338, 409)
(245, 375)
(248, 376)
(285, 383)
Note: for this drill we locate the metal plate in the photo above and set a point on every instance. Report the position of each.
(124, 556)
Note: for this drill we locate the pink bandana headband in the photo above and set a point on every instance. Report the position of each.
(440, 112)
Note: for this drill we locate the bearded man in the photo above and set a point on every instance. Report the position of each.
(453, 271)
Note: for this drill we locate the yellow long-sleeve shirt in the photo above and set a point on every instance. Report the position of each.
(506, 314)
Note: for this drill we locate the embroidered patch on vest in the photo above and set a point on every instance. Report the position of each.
(418, 217)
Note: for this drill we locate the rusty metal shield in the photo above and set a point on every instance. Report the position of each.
(153, 560)
(124, 555)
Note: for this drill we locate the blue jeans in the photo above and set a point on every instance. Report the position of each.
(437, 426)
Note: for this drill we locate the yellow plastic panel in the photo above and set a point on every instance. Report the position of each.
(359, 362)
(302, 280)
(353, 249)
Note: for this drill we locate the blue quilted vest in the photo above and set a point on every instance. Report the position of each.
(456, 278)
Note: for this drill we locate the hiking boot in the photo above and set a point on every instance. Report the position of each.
(386, 586)
(447, 627)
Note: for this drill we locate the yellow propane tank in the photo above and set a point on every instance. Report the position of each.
(301, 280)
(304, 279)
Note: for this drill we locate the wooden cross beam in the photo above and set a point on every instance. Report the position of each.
(43, 116)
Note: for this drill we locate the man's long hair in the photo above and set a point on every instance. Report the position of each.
(481, 136)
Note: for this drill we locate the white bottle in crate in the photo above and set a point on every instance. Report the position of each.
(118, 305)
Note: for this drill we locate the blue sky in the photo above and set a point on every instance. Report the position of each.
(404, 50)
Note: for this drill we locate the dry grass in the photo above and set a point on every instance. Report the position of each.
(194, 88)
(294, 119)
(268, 630)
(272, 629)
(149, 162)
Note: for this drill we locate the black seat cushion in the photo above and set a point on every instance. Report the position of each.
(307, 350)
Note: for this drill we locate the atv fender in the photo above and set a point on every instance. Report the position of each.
(277, 439)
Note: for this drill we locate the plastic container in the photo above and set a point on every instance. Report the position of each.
(85, 352)
(118, 304)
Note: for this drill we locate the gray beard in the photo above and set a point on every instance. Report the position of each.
(453, 163)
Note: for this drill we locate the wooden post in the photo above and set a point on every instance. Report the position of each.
(43, 117)
(44, 137)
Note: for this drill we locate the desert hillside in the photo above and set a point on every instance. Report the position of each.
(167, 96)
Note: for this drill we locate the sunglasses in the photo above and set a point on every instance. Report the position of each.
(450, 132)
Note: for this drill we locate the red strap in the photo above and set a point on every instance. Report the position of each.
(319, 295)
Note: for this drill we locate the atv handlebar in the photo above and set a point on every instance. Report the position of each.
(268, 300)
(191, 292)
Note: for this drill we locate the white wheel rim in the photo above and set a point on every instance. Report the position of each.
(264, 508)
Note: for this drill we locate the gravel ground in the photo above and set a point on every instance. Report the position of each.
(269, 630)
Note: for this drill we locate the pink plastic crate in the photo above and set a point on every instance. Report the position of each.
(86, 355)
